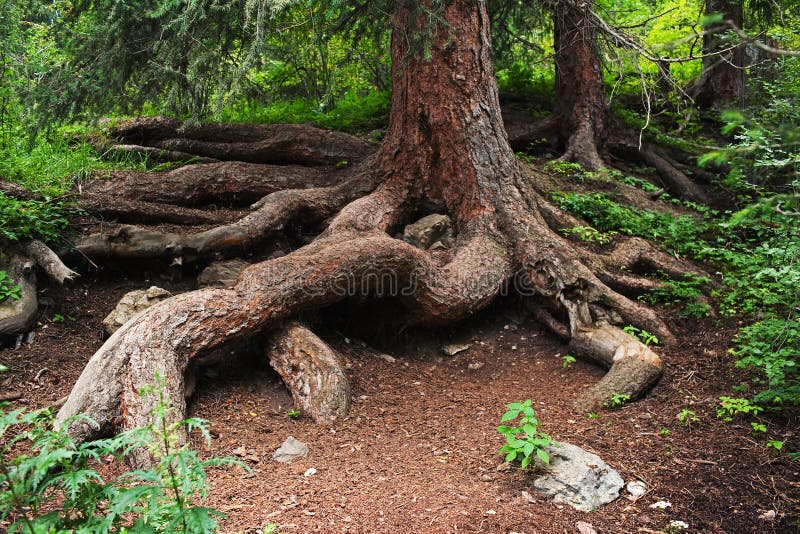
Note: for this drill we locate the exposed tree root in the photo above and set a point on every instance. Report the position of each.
(312, 371)
(20, 262)
(271, 215)
(152, 154)
(675, 181)
(229, 183)
(123, 210)
(633, 367)
(17, 316)
(274, 143)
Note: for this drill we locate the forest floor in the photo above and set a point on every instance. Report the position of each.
(418, 452)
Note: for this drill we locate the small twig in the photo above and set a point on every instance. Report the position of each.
(11, 396)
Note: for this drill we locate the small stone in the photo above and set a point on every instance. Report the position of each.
(505, 466)
(490, 512)
(435, 229)
(637, 488)
(452, 350)
(131, 304)
(527, 497)
(486, 477)
(661, 505)
(239, 451)
(474, 366)
(289, 450)
(310, 472)
(386, 358)
(769, 515)
(585, 528)
(221, 273)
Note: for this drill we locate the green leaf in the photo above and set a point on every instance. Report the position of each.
(528, 449)
(526, 461)
(543, 456)
(509, 415)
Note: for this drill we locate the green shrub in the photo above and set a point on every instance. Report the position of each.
(772, 347)
(55, 488)
(680, 233)
(32, 219)
(525, 439)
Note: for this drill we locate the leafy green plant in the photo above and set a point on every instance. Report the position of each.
(758, 428)
(32, 219)
(642, 335)
(589, 234)
(524, 440)
(730, 407)
(593, 415)
(564, 167)
(9, 290)
(294, 414)
(680, 233)
(687, 417)
(772, 347)
(775, 444)
(664, 432)
(687, 292)
(617, 400)
(567, 361)
(55, 487)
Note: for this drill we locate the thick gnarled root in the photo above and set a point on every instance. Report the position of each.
(312, 371)
(632, 367)
(20, 262)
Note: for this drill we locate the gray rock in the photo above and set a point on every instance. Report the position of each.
(578, 478)
(131, 304)
(289, 450)
(221, 273)
(433, 231)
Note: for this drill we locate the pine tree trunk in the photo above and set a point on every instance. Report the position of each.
(723, 77)
(580, 95)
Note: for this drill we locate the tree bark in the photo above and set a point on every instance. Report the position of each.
(445, 152)
(723, 76)
(580, 95)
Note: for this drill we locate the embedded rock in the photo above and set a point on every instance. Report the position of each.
(289, 450)
(578, 478)
(432, 231)
(132, 304)
(221, 273)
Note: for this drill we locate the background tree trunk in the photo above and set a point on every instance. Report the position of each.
(580, 95)
(722, 80)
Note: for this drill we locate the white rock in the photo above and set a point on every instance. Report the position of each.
(678, 525)
(661, 505)
(310, 472)
(578, 478)
(636, 488)
(289, 450)
(585, 528)
(131, 304)
(452, 350)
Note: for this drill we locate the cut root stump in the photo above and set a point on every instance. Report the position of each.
(312, 371)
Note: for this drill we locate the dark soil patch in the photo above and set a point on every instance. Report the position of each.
(418, 451)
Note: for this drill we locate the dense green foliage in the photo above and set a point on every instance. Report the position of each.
(55, 486)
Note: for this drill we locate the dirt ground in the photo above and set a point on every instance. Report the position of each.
(418, 452)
